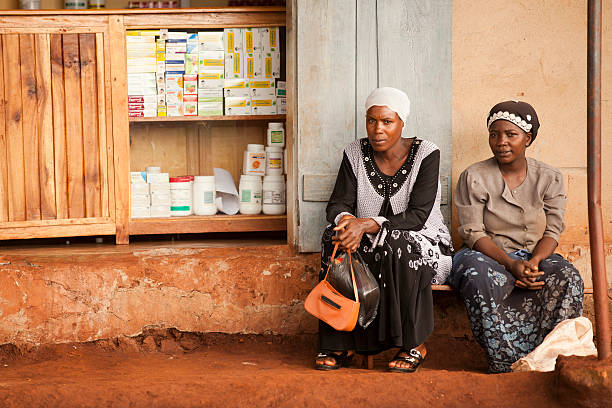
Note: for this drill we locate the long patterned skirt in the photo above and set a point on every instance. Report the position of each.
(507, 321)
(404, 270)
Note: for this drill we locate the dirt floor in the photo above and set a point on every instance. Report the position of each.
(167, 368)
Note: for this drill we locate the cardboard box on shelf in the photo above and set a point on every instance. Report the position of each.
(191, 64)
(160, 45)
(162, 111)
(263, 105)
(211, 80)
(174, 82)
(190, 105)
(281, 89)
(158, 178)
(174, 109)
(140, 200)
(138, 177)
(253, 65)
(234, 65)
(251, 40)
(237, 87)
(210, 109)
(262, 87)
(174, 97)
(177, 35)
(281, 106)
(237, 106)
(139, 188)
(211, 60)
(270, 40)
(233, 40)
(140, 212)
(210, 40)
(145, 106)
(190, 84)
(142, 99)
(272, 65)
(142, 113)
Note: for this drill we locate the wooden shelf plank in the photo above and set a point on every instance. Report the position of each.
(211, 223)
(207, 118)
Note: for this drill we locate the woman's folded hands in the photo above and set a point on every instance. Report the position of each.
(526, 274)
(350, 230)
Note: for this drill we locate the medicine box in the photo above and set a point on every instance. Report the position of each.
(190, 84)
(237, 106)
(174, 82)
(157, 178)
(234, 65)
(174, 109)
(251, 40)
(190, 105)
(211, 60)
(262, 87)
(253, 65)
(281, 106)
(263, 105)
(138, 177)
(174, 97)
(210, 40)
(210, 109)
(233, 40)
(236, 88)
(281, 89)
(270, 40)
(271, 65)
(191, 64)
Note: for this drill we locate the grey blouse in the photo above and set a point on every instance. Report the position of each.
(513, 219)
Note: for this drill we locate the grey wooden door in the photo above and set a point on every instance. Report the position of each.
(344, 49)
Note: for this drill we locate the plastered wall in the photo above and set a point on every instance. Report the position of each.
(534, 51)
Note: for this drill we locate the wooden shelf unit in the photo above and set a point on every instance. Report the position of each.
(77, 129)
(278, 118)
(209, 223)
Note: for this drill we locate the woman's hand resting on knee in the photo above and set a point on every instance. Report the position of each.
(350, 230)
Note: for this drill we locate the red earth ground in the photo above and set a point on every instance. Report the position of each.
(168, 368)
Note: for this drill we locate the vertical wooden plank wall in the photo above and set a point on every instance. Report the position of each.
(53, 133)
(3, 152)
(91, 146)
(14, 131)
(59, 126)
(45, 127)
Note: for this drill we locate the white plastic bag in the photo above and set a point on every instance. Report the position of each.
(572, 337)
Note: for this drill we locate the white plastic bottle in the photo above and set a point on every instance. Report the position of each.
(250, 191)
(204, 195)
(181, 196)
(254, 162)
(276, 134)
(274, 195)
(274, 161)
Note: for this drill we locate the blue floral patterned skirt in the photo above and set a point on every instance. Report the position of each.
(507, 321)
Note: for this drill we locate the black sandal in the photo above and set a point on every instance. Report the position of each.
(342, 360)
(414, 358)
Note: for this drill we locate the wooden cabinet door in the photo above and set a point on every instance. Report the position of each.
(56, 147)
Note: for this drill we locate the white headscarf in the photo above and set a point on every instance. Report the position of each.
(392, 98)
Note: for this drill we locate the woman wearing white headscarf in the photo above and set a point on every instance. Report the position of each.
(386, 205)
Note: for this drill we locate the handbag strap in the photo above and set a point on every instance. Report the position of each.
(352, 272)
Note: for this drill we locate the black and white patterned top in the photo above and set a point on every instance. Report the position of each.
(408, 200)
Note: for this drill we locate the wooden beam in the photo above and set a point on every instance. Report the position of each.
(121, 128)
(204, 224)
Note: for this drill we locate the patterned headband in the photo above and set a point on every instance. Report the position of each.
(511, 117)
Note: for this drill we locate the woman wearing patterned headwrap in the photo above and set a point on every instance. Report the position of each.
(511, 211)
(386, 205)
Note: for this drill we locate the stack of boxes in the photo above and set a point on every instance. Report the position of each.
(149, 194)
(189, 74)
(211, 73)
(176, 49)
(141, 66)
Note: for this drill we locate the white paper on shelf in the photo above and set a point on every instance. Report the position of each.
(227, 200)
